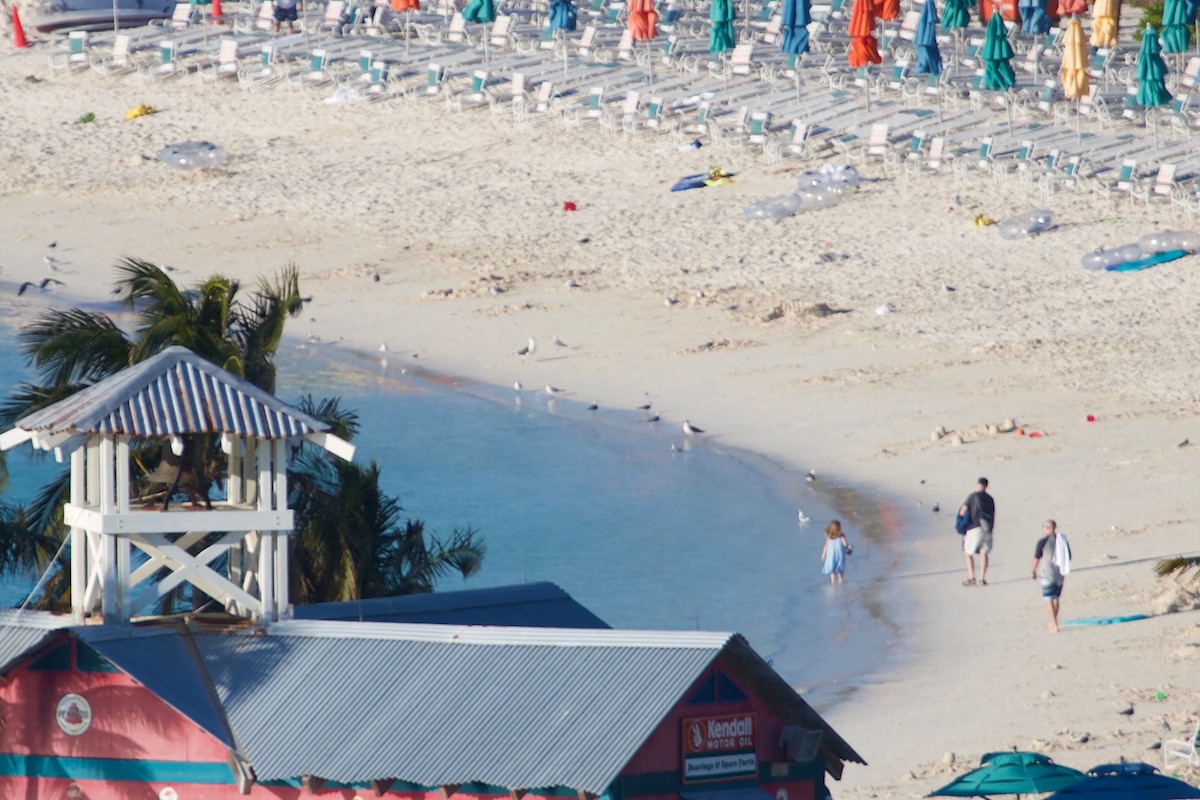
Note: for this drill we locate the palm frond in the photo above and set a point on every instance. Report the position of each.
(74, 346)
(1177, 566)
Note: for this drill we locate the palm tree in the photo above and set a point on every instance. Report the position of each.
(348, 532)
(1178, 565)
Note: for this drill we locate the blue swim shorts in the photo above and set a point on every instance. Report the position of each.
(286, 14)
(1051, 591)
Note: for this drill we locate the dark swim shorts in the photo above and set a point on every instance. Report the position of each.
(286, 14)
(1051, 591)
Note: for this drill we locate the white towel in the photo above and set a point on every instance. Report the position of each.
(1062, 554)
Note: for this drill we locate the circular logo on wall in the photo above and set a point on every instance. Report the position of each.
(168, 793)
(74, 714)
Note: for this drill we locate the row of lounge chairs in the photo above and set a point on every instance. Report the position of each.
(751, 99)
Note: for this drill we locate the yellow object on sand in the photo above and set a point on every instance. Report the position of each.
(717, 177)
(139, 111)
(981, 221)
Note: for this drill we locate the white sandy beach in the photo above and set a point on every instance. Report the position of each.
(444, 206)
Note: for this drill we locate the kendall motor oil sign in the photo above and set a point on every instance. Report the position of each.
(719, 748)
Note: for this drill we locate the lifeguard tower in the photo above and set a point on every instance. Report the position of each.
(127, 552)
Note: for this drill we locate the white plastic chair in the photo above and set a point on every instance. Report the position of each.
(1180, 752)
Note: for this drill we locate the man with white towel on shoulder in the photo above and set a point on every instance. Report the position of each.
(1051, 563)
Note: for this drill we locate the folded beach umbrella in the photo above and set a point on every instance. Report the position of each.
(997, 54)
(864, 48)
(1129, 781)
(1011, 773)
(1151, 72)
(1104, 23)
(406, 5)
(480, 11)
(929, 57)
(1070, 8)
(956, 14)
(887, 10)
(722, 36)
(797, 14)
(1034, 19)
(562, 15)
(1074, 61)
(1174, 26)
(643, 20)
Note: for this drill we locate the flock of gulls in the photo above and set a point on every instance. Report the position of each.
(531, 347)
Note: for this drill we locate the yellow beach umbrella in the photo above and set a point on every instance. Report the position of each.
(1104, 23)
(1074, 63)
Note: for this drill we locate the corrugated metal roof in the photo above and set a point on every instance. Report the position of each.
(175, 672)
(22, 632)
(175, 392)
(519, 708)
(530, 605)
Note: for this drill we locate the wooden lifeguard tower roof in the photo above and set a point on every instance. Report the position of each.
(174, 393)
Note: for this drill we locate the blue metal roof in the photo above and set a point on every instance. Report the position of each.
(529, 605)
(173, 393)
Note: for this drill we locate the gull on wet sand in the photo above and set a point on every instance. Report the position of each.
(383, 347)
(552, 389)
(802, 518)
(652, 418)
(690, 429)
(558, 342)
(811, 476)
(593, 406)
(517, 386)
(644, 407)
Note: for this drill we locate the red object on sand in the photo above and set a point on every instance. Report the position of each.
(570, 206)
(217, 13)
(19, 39)
(1091, 418)
(864, 48)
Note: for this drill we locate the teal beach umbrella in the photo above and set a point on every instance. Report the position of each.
(997, 56)
(1175, 31)
(1011, 773)
(929, 57)
(955, 15)
(1151, 73)
(797, 14)
(722, 36)
(480, 11)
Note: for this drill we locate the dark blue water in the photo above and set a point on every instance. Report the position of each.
(599, 503)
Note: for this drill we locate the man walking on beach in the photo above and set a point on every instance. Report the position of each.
(286, 11)
(1051, 563)
(980, 509)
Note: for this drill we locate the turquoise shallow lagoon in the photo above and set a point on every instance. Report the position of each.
(599, 503)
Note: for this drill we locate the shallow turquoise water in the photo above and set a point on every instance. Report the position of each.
(597, 502)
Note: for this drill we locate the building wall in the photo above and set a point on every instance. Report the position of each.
(657, 771)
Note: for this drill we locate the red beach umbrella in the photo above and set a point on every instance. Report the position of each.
(406, 5)
(864, 48)
(888, 10)
(1068, 8)
(643, 20)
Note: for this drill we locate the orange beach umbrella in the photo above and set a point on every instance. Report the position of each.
(643, 20)
(1068, 8)
(1104, 23)
(864, 48)
(887, 10)
(406, 5)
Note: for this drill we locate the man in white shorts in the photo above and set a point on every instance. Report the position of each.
(980, 509)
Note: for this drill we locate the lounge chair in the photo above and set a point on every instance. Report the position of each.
(1180, 752)
(75, 57)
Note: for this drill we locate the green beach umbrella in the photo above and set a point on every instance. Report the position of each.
(1175, 31)
(955, 15)
(1151, 72)
(997, 55)
(1011, 773)
(722, 36)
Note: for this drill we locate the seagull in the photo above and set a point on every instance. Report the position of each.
(496, 290)
(41, 286)
(593, 406)
(699, 294)
(383, 347)
(689, 428)
(572, 284)
(811, 476)
(306, 299)
(1128, 712)
(674, 447)
(644, 407)
(947, 287)
(936, 508)
(558, 342)
(652, 418)
(886, 308)
(375, 277)
(802, 518)
(669, 301)
(528, 349)
(552, 390)
(52, 262)
(516, 386)
(53, 244)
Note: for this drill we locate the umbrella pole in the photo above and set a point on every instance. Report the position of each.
(1078, 132)
(407, 31)
(565, 56)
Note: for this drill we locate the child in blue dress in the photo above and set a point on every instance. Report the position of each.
(834, 553)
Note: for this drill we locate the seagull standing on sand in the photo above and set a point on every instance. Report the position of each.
(516, 386)
(558, 342)
(552, 390)
(528, 349)
(802, 518)
(811, 476)
(383, 347)
(690, 429)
